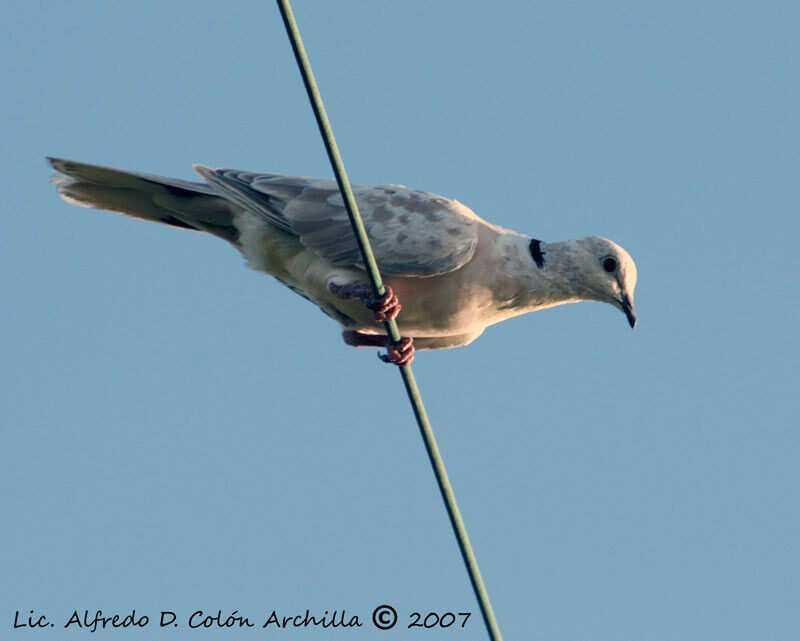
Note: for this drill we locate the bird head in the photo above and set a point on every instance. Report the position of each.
(606, 273)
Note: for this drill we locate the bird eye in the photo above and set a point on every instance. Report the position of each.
(610, 264)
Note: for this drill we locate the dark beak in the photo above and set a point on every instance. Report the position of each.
(627, 306)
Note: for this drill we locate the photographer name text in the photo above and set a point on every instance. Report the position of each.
(383, 617)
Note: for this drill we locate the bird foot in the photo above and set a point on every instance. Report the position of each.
(385, 307)
(399, 354)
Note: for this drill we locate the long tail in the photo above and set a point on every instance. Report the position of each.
(180, 203)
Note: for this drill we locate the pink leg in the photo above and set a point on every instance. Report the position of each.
(399, 354)
(386, 307)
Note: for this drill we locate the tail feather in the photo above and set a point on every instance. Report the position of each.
(170, 201)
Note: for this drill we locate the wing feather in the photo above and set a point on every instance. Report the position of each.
(412, 232)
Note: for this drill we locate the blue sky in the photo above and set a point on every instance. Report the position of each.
(181, 433)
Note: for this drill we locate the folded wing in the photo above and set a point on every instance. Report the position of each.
(412, 232)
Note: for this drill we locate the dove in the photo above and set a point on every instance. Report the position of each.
(448, 273)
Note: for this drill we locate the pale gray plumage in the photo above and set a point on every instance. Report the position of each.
(404, 225)
(453, 272)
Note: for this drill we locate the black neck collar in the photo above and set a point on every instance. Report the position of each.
(535, 248)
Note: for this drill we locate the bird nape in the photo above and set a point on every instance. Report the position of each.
(454, 273)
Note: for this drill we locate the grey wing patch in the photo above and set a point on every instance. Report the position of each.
(318, 216)
(237, 186)
(417, 233)
(412, 232)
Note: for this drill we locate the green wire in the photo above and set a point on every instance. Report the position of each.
(391, 326)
